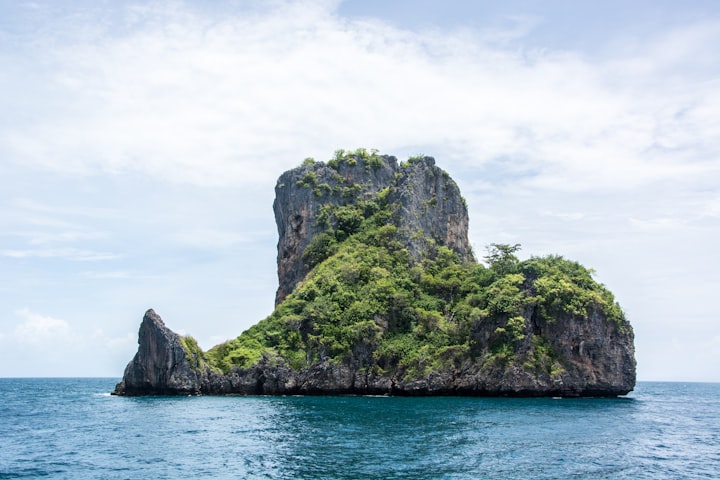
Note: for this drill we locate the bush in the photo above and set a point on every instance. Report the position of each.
(363, 294)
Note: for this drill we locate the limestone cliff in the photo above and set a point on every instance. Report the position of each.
(379, 293)
(161, 365)
(429, 207)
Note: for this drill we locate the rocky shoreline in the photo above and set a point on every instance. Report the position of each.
(162, 367)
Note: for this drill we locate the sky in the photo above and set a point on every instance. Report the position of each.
(140, 143)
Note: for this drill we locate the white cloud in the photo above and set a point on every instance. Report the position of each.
(39, 329)
(44, 238)
(122, 344)
(565, 216)
(685, 351)
(212, 238)
(37, 230)
(44, 345)
(49, 215)
(657, 224)
(108, 275)
(73, 254)
(198, 99)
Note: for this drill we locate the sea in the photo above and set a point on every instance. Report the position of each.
(73, 428)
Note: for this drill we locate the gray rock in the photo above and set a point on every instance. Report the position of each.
(161, 365)
(430, 209)
(598, 361)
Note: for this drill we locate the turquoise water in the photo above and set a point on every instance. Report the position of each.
(71, 428)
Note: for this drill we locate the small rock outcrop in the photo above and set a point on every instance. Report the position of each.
(161, 365)
(379, 293)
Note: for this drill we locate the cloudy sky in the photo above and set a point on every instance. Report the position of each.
(140, 143)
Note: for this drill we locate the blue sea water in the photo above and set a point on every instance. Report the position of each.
(72, 428)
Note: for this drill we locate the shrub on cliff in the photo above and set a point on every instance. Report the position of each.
(368, 304)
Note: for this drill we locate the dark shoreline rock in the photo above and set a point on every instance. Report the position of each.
(162, 367)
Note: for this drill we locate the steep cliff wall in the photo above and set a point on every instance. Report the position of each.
(162, 366)
(302, 193)
(428, 205)
(431, 210)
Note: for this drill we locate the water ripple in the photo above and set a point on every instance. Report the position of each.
(68, 428)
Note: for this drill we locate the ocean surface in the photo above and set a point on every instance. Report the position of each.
(72, 428)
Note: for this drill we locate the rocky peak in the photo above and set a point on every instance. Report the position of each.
(429, 210)
(161, 365)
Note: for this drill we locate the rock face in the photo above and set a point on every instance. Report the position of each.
(430, 208)
(161, 365)
(601, 361)
(586, 352)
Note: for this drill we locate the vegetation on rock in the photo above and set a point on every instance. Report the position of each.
(367, 303)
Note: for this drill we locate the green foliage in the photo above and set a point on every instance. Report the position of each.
(309, 180)
(321, 247)
(413, 159)
(501, 257)
(566, 287)
(504, 296)
(373, 161)
(338, 156)
(360, 156)
(196, 357)
(365, 301)
(243, 351)
(543, 359)
(348, 218)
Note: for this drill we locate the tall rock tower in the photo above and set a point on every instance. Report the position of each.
(429, 210)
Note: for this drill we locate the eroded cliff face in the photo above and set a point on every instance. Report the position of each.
(429, 209)
(161, 365)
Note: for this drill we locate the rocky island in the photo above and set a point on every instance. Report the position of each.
(380, 293)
